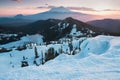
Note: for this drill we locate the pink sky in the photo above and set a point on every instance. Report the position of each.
(106, 8)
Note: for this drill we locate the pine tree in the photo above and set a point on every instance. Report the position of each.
(42, 58)
(36, 53)
(70, 46)
(50, 55)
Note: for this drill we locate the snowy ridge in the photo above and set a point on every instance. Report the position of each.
(99, 60)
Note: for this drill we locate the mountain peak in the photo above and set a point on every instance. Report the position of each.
(69, 18)
(60, 9)
(19, 16)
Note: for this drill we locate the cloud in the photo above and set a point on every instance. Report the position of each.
(17, 0)
(82, 8)
(48, 7)
(76, 8)
(110, 10)
(71, 8)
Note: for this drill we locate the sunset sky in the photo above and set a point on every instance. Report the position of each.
(106, 8)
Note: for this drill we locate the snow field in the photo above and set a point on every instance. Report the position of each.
(99, 62)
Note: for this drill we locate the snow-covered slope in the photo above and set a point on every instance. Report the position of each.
(98, 60)
(24, 40)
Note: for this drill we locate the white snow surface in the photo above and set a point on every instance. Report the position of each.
(26, 39)
(99, 59)
(74, 31)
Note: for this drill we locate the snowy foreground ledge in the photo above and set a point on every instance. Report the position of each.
(98, 60)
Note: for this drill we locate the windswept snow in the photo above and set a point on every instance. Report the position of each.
(101, 62)
(95, 46)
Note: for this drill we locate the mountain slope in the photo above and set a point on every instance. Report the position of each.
(60, 28)
(111, 25)
(1, 29)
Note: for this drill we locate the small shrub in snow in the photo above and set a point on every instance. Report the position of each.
(24, 64)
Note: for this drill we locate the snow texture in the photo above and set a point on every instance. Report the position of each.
(99, 59)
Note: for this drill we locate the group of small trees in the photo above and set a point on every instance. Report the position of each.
(20, 48)
(51, 54)
(7, 39)
(4, 50)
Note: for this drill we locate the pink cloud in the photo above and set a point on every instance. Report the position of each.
(82, 8)
(17, 0)
(110, 10)
(72, 8)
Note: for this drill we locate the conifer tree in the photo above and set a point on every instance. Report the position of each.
(42, 58)
(36, 53)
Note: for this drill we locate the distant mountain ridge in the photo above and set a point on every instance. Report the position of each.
(14, 21)
(53, 29)
(54, 13)
(110, 25)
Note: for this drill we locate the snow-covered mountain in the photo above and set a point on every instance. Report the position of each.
(60, 10)
(52, 27)
(98, 58)
(54, 13)
(19, 16)
(60, 28)
(60, 13)
(74, 54)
